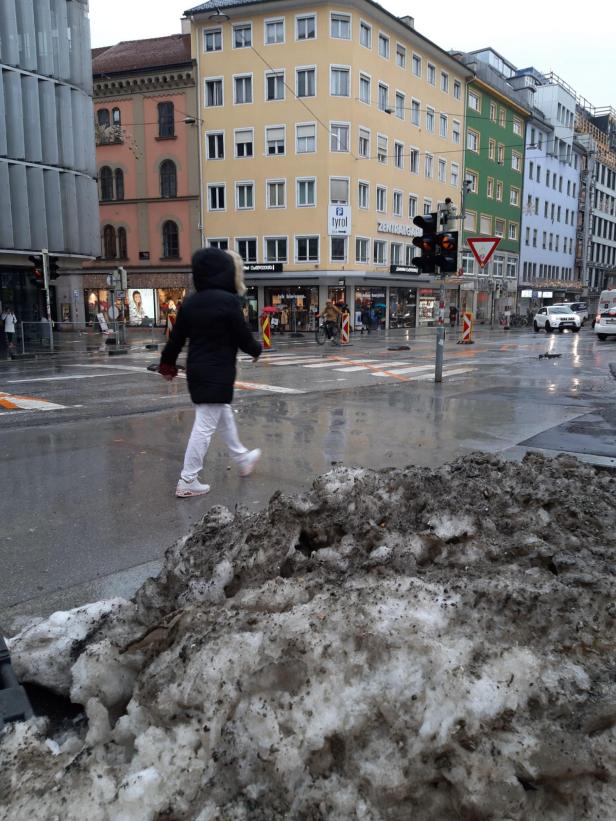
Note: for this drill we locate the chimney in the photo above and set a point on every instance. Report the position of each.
(408, 21)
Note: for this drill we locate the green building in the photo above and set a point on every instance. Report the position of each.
(495, 126)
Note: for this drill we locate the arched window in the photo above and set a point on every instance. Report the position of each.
(166, 124)
(171, 240)
(106, 178)
(119, 184)
(116, 116)
(168, 179)
(122, 246)
(109, 242)
(102, 117)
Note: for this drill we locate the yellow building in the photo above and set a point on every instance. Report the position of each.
(325, 128)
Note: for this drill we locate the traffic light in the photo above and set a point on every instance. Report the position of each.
(54, 273)
(447, 252)
(37, 276)
(426, 243)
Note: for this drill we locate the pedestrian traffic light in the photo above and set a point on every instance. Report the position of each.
(54, 273)
(447, 251)
(426, 243)
(37, 277)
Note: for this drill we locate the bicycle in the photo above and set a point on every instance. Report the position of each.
(322, 336)
(518, 321)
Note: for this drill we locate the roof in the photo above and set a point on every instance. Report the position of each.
(136, 55)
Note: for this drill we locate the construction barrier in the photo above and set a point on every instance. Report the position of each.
(266, 332)
(467, 329)
(346, 329)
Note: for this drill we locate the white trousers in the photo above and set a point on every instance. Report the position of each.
(208, 418)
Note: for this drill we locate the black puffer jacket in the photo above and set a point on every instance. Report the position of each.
(212, 321)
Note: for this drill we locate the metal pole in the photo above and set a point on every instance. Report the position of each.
(45, 255)
(440, 332)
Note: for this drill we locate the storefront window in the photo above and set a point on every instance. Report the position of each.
(370, 307)
(97, 303)
(169, 301)
(428, 306)
(402, 307)
(249, 308)
(296, 306)
(337, 295)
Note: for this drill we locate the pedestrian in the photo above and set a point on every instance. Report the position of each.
(211, 319)
(453, 316)
(9, 321)
(366, 320)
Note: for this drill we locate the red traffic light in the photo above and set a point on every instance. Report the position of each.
(448, 242)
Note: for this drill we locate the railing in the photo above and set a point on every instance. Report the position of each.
(33, 337)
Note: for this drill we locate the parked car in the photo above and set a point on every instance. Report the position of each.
(556, 318)
(579, 308)
(605, 320)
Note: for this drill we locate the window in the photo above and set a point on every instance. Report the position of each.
(444, 82)
(415, 112)
(168, 179)
(499, 191)
(106, 180)
(399, 105)
(380, 252)
(213, 39)
(364, 195)
(400, 56)
(305, 138)
(340, 26)
(490, 188)
(395, 253)
(399, 155)
(493, 112)
(340, 82)
(109, 242)
(216, 197)
(274, 140)
(514, 196)
(213, 93)
(470, 221)
(455, 174)
(244, 195)
(383, 102)
(171, 240)
(381, 149)
(472, 141)
(431, 74)
(338, 248)
(365, 35)
(485, 224)
(339, 191)
(397, 204)
(116, 119)
(274, 85)
(242, 35)
(416, 65)
(502, 117)
(512, 268)
(247, 249)
(215, 146)
(491, 149)
(443, 125)
(276, 194)
(457, 89)
(442, 170)
(122, 244)
(500, 155)
(306, 27)
(474, 101)
(306, 193)
(221, 244)
(383, 46)
(275, 249)
(409, 253)
(102, 117)
(513, 231)
(429, 166)
(455, 132)
(427, 206)
(517, 126)
(339, 140)
(362, 249)
(166, 120)
(306, 82)
(473, 182)
(242, 89)
(244, 146)
(274, 32)
(430, 120)
(534, 237)
(412, 206)
(381, 199)
(516, 161)
(364, 142)
(364, 89)
(499, 228)
(306, 249)
(414, 160)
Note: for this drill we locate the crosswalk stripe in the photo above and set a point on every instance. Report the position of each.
(338, 362)
(9, 401)
(354, 368)
(402, 371)
(454, 372)
(258, 386)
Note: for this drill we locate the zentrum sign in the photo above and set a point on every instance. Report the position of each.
(398, 228)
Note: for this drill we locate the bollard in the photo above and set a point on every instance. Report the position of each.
(345, 335)
(266, 334)
(467, 329)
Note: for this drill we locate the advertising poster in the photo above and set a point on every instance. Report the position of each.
(141, 306)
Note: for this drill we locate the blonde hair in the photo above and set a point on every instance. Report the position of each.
(238, 263)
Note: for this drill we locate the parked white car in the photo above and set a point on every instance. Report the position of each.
(556, 318)
(605, 321)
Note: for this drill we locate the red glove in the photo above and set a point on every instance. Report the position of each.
(168, 372)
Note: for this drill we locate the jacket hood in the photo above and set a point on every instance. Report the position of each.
(213, 268)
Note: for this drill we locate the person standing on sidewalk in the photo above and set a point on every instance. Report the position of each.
(211, 319)
(10, 322)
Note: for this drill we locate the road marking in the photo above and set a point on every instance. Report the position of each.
(11, 402)
(133, 368)
(257, 386)
(58, 378)
(454, 372)
(363, 367)
(402, 371)
(340, 361)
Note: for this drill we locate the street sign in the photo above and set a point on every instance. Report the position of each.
(483, 248)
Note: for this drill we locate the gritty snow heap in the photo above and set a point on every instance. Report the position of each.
(425, 644)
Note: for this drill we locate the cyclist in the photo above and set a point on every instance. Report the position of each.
(331, 316)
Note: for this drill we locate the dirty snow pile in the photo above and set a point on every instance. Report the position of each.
(402, 644)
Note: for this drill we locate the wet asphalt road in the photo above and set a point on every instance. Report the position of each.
(91, 445)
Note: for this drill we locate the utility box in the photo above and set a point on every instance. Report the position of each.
(14, 702)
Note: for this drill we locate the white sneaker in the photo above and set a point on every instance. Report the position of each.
(194, 488)
(249, 462)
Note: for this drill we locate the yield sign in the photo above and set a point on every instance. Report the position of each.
(483, 248)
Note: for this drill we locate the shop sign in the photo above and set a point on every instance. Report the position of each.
(144, 254)
(398, 228)
(526, 294)
(404, 269)
(339, 221)
(263, 267)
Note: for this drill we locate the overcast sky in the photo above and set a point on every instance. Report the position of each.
(547, 35)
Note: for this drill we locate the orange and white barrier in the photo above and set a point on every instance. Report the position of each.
(467, 329)
(346, 329)
(266, 332)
